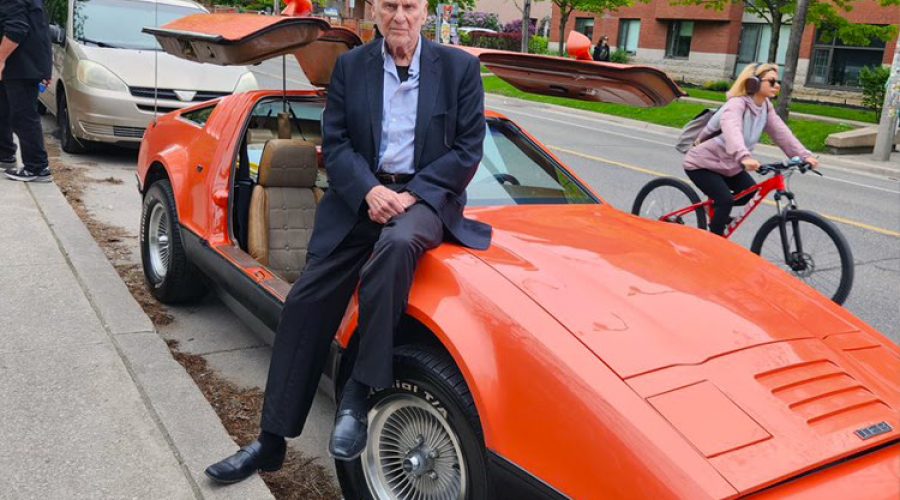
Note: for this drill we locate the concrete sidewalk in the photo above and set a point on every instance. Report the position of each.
(94, 405)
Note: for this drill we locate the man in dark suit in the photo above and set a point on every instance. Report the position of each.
(24, 64)
(403, 132)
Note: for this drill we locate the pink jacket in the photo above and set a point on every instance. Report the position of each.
(723, 154)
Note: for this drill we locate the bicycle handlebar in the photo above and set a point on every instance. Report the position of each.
(786, 165)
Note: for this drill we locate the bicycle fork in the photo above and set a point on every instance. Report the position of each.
(793, 258)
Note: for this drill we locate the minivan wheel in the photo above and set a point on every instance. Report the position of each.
(170, 276)
(425, 439)
(66, 138)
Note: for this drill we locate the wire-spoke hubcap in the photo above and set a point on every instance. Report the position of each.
(412, 452)
(158, 242)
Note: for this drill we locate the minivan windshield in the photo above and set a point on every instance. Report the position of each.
(118, 23)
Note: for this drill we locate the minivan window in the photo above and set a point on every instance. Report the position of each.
(118, 23)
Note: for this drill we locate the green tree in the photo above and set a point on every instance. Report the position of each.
(566, 7)
(822, 13)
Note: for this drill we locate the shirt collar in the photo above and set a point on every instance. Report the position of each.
(413, 65)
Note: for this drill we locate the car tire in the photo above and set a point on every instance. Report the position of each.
(69, 143)
(429, 388)
(169, 273)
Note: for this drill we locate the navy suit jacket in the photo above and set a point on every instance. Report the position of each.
(449, 133)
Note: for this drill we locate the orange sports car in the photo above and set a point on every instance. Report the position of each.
(587, 353)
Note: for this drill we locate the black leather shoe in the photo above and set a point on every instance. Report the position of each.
(245, 463)
(348, 439)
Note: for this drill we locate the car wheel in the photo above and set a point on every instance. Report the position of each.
(66, 138)
(170, 275)
(425, 438)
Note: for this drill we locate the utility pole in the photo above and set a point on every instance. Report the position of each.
(526, 25)
(276, 7)
(798, 24)
(884, 141)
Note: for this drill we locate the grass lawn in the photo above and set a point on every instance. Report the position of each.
(800, 107)
(676, 114)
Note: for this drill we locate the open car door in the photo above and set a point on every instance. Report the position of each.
(640, 86)
(241, 39)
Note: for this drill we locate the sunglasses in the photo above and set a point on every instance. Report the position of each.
(772, 81)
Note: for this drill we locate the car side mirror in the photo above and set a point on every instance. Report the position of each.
(57, 35)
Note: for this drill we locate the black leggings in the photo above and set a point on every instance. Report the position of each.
(721, 190)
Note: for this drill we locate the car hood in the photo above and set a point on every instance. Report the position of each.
(762, 375)
(135, 68)
(644, 296)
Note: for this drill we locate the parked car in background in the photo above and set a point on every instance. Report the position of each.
(105, 72)
(474, 29)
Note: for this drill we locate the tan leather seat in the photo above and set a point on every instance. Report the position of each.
(283, 206)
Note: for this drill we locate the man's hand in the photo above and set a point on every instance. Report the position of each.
(750, 164)
(384, 204)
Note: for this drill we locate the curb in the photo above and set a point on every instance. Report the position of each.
(805, 116)
(840, 161)
(192, 429)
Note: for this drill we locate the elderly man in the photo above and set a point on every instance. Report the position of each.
(24, 63)
(403, 132)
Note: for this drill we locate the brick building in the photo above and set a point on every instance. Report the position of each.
(698, 45)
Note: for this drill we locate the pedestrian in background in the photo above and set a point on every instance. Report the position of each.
(601, 51)
(24, 65)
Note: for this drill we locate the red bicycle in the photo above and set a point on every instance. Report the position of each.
(802, 242)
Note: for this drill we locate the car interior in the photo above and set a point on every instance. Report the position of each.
(278, 182)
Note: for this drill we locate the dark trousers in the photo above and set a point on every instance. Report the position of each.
(19, 115)
(383, 260)
(721, 190)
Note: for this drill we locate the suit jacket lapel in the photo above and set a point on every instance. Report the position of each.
(375, 94)
(429, 88)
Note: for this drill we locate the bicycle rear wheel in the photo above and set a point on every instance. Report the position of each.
(811, 248)
(665, 195)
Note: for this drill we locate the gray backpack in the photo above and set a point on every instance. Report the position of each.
(691, 133)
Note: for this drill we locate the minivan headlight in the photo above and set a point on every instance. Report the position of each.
(95, 75)
(246, 83)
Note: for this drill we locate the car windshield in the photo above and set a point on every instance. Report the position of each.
(514, 171)
(118, 23)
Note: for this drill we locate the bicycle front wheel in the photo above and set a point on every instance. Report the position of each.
(809, 247)
(665, 195)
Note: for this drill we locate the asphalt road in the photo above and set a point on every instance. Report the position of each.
(617, 158)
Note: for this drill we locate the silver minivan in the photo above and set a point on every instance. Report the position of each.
(105, 72)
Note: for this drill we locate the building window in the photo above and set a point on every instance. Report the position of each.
(756, 39)
(678, 46)
(836, 64)
(585, 26)
(629, 32)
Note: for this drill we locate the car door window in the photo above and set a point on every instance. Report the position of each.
(514, 171)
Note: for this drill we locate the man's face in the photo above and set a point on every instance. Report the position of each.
(400, 21)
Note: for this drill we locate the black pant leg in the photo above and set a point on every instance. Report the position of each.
(738, 183)
(716, 188)
(7, 145)
(385, 281)
(26, 122)
(311, 315)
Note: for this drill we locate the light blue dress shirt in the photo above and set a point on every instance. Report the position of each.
(398, 118)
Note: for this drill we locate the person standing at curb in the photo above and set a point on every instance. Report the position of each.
(601, 51)
(25, 64)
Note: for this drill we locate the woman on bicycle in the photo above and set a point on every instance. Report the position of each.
(719, 165)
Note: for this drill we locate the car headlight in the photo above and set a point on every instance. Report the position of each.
(246, 83)
(94, 75)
